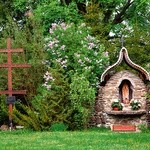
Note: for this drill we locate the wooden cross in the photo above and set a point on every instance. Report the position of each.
(10, 66)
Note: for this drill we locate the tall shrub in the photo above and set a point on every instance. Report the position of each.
(82, 98)
(83, 59)
(51, 105)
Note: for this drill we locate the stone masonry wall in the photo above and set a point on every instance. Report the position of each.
(148, 106)
(111, 89)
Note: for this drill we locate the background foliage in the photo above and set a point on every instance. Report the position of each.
(68, 43)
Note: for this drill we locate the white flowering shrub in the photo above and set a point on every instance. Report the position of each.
(76, 50)
(48, 79)
(83, 60)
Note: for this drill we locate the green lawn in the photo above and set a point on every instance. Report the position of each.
(85, 140)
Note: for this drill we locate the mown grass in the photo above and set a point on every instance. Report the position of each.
(84, 140)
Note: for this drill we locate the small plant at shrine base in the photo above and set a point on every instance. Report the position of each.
(135, 105)
(116, 105)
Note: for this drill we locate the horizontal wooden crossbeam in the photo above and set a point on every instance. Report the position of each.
(13, 92)
(15, 65)
(11, 50)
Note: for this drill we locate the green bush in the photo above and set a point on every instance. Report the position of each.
(82, 100)
(51, 105)
(58, 127)
(53, 11)
(144, 128)
(3, 110)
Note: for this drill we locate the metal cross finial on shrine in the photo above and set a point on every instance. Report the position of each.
(122, 41)
(11, 99)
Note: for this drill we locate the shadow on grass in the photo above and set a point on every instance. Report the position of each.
(99, 129)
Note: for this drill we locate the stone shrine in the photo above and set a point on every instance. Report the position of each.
(125, 87)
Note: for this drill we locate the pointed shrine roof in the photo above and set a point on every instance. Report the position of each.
(124, 56)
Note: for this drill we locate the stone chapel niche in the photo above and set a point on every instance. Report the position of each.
(127, 86)
(125, 91)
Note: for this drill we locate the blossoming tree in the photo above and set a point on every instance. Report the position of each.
(83, 59)
(76, 51)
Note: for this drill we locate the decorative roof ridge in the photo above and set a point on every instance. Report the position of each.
(124, 55)
(133, 65)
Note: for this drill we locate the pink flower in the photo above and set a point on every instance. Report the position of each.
(63, 25)
(54, 26)
(51, 44)
(62, 47)
(51, 31)
(91, 45)
(106, 54)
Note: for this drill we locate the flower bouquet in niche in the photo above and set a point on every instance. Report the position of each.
(116, 105)
(136, 105)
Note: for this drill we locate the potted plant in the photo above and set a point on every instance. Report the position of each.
(136, 105)
(116, 105)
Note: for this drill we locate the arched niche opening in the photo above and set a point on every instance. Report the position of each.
(125, 91)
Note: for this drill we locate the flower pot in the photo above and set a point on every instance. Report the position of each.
(116, 109)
